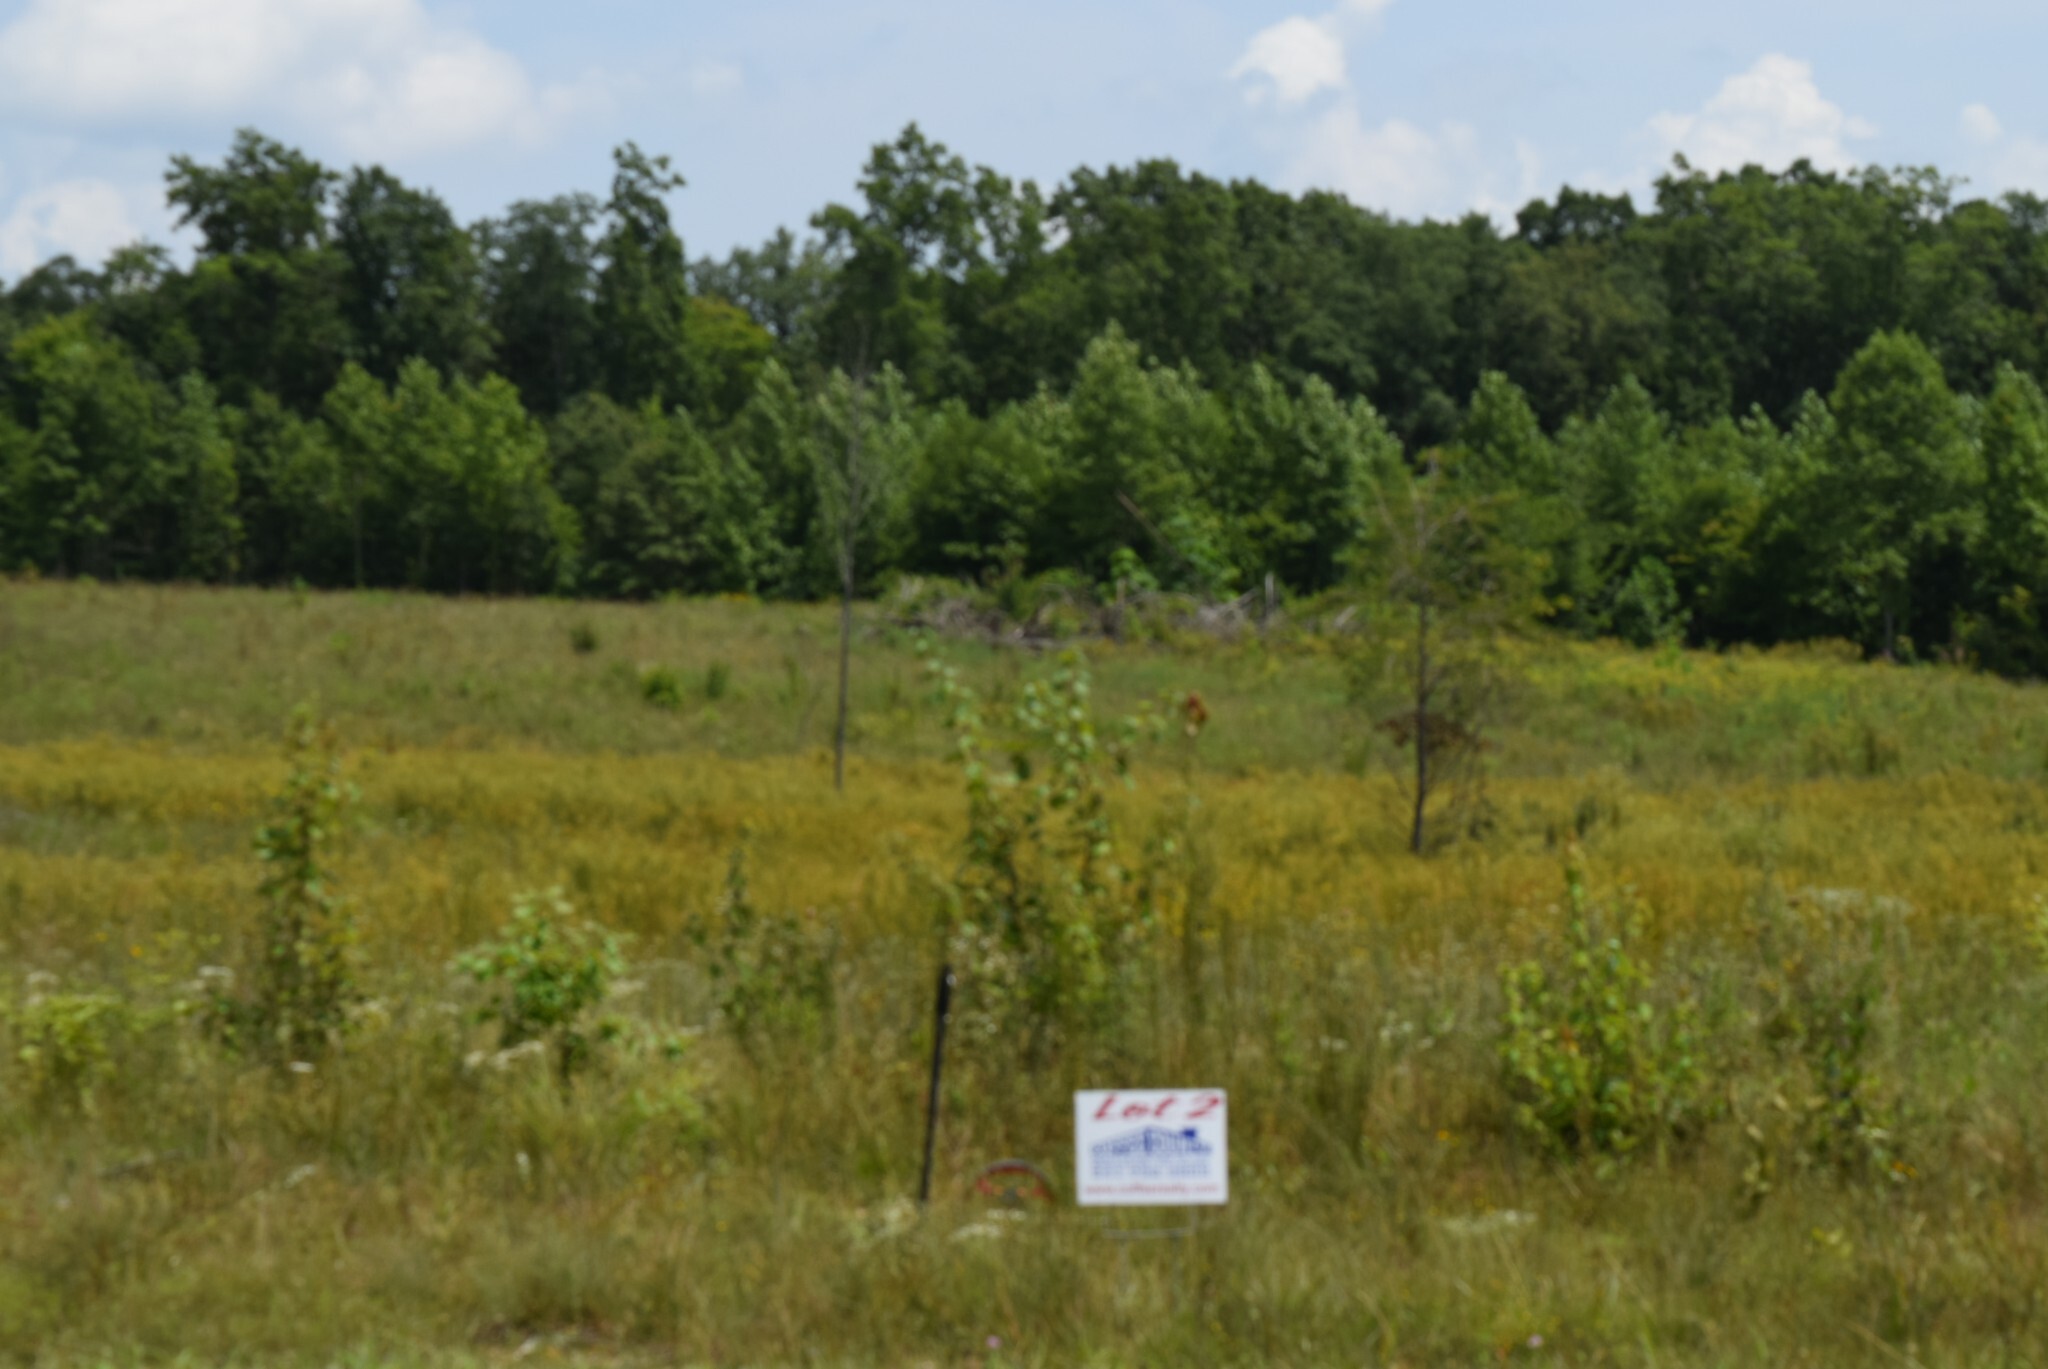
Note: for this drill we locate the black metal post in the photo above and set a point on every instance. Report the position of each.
(931, 1102)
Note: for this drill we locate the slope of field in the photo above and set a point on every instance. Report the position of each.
(1837, 871)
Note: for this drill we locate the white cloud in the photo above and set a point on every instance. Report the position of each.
(86, 218)
(1396, 166)
(387, 76)
(1300, 56)
(2010, 161)
(1772, 115)
(1297, 57)
(1980, 125)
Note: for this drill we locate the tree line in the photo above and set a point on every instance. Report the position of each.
(1769, 406)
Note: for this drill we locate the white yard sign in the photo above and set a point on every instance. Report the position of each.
(1151, 1147)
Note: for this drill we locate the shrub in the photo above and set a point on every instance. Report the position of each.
(583, 639)
(1042, 917)
(1647, 609)
(717, 680)
(1590, 1063)
(65, 1045)
(546, 971)
(662, 687)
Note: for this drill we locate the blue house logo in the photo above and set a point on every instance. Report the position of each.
(1153, 1153)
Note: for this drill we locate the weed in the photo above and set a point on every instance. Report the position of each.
(65, 1044)
(1590, 1062)
(583, 639)
(546, 971)
(717, 680)
(771, 973)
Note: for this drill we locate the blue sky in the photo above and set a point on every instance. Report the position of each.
(1415, 107)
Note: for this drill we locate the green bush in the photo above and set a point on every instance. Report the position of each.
(1591, 1063)
(662, 687)
(65, 1045)
(1047, 923)
(546, 971)
(583, 639)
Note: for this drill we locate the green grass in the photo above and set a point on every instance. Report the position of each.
(1842, 866)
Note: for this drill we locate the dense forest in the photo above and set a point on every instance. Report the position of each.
(1774, 405)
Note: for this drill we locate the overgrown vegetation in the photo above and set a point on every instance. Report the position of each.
(1759, 1085)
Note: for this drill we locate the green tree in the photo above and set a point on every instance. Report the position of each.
(1900, 493)
(358, 416)
(1120, 467)
(643, 288)
(2013, 559)
(540, 283)
(774, 433)
(410, 278)
(861, 455)
(1445, 591)
(89, 493)
(670, 510)
(264, 296)
(203, 489)
(294, 510)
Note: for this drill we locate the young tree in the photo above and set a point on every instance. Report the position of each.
(859, 460)
(1446, 591)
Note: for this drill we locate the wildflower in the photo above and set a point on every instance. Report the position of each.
(300, 1067)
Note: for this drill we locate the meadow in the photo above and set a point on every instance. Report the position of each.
(1810, 933)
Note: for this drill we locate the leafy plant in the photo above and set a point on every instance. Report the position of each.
(65, 1045)
(717, 680)
(1825, 991)
(662, 687)
(1647, 609)
(1591, 1064)
(1043, 915)
(546, 971)
(583, 639)
(304, 980)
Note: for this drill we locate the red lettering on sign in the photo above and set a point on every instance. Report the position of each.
(1165, 1105)
(1102, 1113)
(1205, 1105)
(1133, 1111)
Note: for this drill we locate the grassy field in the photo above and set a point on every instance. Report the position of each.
(1836, 872)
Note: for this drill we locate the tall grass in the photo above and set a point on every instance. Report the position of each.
(1853, 926)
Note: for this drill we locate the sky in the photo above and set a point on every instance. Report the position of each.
(1412, 107)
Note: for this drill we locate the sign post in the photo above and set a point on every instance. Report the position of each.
(1152, 1148)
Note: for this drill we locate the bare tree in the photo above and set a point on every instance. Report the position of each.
(858, 460)
(1445, 593)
